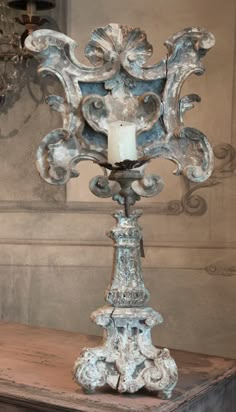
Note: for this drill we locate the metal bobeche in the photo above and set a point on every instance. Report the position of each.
(120, 86)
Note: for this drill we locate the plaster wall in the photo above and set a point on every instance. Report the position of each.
(55, 260)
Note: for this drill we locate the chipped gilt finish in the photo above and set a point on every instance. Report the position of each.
(119, 85)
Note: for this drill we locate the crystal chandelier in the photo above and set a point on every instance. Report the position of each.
(13, 57)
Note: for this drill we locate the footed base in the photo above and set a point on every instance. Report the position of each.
(127, 361)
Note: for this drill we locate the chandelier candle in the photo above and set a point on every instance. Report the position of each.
(98, 122)
(121, 142)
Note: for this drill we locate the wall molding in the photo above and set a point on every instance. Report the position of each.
(20, 206)
(215, 270)
(104, 242)
(221, 269)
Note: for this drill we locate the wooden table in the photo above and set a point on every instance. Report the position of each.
(35, 375)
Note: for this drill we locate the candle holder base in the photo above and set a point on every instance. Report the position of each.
(127, 361)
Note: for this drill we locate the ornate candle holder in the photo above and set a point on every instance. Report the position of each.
(120, 87)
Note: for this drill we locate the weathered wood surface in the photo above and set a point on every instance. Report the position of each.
(35, 375)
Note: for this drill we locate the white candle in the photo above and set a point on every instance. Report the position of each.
(121, 141)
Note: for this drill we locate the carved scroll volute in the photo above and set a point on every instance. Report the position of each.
(192, 151)
(142, 110)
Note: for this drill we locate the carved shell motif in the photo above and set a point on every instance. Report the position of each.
(121, 86)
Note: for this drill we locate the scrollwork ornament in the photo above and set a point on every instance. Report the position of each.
(119, 72)
(142, 110)
(225, 153)
(55, 156)
(194, 204)
(225, 166)
(100, 186)
(174, 207)
(128, 361)
(149, 186)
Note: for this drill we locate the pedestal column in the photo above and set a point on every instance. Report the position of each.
(127, 287)
(127, 361)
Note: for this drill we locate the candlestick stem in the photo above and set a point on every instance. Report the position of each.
(127, 361)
